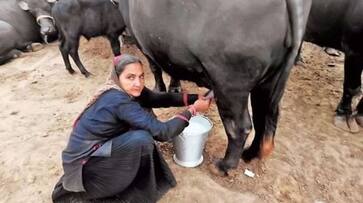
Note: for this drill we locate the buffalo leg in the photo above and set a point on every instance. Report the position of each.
(299, 60)
(265, 100)
(353, 66)
(237, 124)
(359, 116)
(64, 49)
(158, 76)
(10, 55)
(174, 85)
(115, 45)
(74, 54)
(4, 59)
(263, 136)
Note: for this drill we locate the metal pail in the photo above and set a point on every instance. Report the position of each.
(189, 145)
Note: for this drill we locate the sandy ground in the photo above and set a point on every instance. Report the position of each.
(313, 161)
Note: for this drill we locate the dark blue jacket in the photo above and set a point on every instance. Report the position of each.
(113, 114)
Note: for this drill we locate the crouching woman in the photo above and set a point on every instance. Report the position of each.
(111, 151)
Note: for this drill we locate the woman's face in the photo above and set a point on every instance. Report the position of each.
(132, 79)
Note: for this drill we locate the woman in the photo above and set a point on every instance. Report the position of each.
(111, 151)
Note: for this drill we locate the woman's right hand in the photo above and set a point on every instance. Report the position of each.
(201, 105)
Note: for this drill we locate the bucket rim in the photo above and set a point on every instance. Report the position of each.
(207, 129)
(206, 118)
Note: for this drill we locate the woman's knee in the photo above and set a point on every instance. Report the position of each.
(141, 138)
(133, 139)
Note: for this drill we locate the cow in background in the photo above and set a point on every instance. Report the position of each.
(236, 48)
(339, 24)
(23, 22)
(88, 18)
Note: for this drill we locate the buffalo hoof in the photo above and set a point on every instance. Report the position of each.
(16, 53)
(175, 89)
(36, 46)
(249, 154)
(71, 71)
(332, 52)
(217, 168)
(87, 74)
(359, 120)
(266, 148)
(346, 123)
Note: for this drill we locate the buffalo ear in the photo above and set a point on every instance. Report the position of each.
(23, 5)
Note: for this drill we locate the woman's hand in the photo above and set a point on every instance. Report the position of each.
(201, 105)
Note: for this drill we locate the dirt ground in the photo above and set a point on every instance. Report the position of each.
(313, 161)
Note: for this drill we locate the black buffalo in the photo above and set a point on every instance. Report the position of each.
(236, 48)
(23, 22)
(88, 18)
(339, 24)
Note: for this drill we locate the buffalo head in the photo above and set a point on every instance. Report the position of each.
(41, 10)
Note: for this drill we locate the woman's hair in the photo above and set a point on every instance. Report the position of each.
(122, 61)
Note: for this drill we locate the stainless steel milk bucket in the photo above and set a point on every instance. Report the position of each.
(189, 145)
